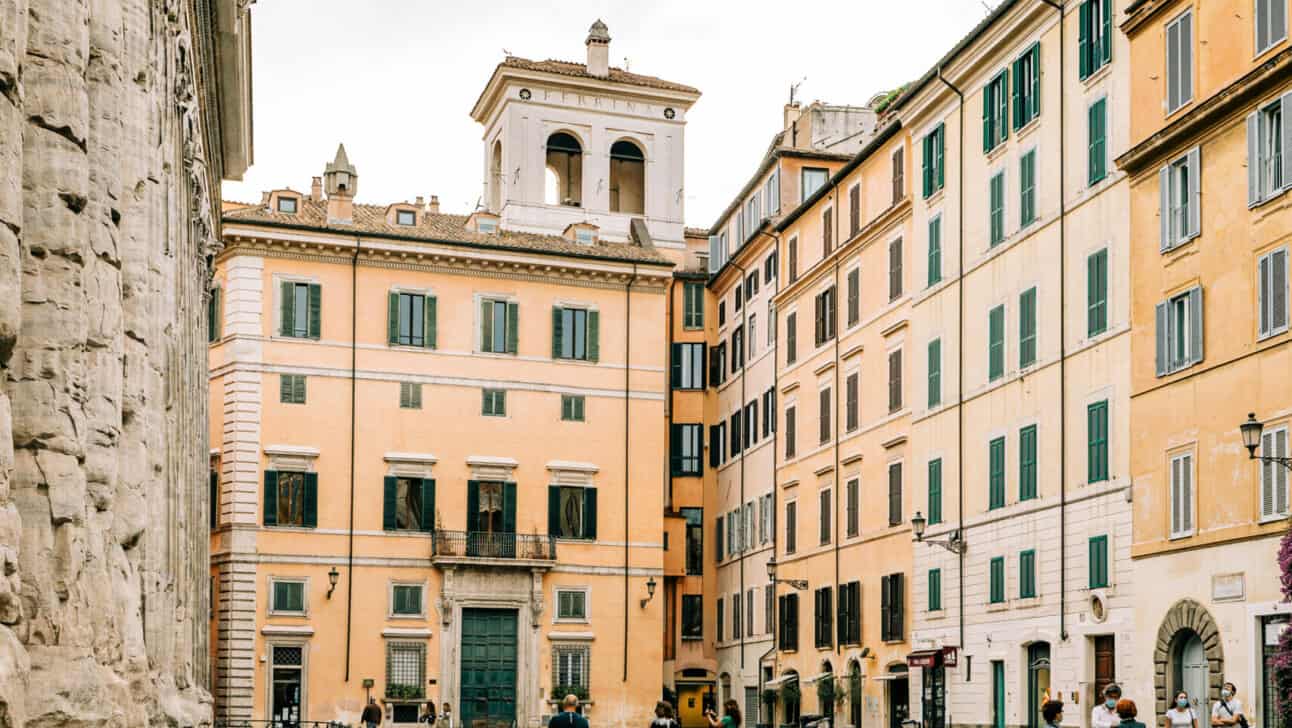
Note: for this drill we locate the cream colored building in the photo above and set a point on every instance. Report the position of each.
(388, 523)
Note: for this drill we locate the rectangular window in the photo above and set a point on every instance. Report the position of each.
(996, 473)
(794, 259)
(410, 395)
(791, 338)
(996, 209)
(692, 305)
(572, 512)
(574, 334)
(751, 424)
(772, 193)
(1027, 189)
(686, 449)
(827, 232)
(291, 499)
(1097, 293)
(895, 270)
(287, 205)
(1027, 574)
(813, 179)
(733, 426)
(935, 250)
(1094, 36)
(494, 402)
(935, 373)
(571, 667)
(1179, 61)
(1271, 23)
(499, 327)
(995, 111)
(853, 508)
(405, 217)
(572, 406)
(214, 315)
(791, 527)
(291, 388)
(1182, 495)
(789, 625)
(852, 415)
(825, 511)
(1272, 271)
(850, 613)
(824, 412)
(300, 305)
(854, 297)
(1027, 328)
(739, 297)
(289, 597)
(737, 349)
(749, 612)
(1097, 141)
(996, 343)
(1097, 441)
(826, 318)
(1027, 86)
(1274, 477)
(1179, 332)
(694, 518)
(1269, 170)
(411, 320)
(899, 177)
(1098, 564)
(935, 491)
(771, 323)
(790, 432)
(737, 617)
(935, 590)
(722, 313)
(934, 152)
(406, 600)
(997, 580)
(1180, 189)
(894, 381)
(769, 267)
(892, 607)
(687, 366)
(894, 494)
(823, 617)
(1027, 463)
(854, 210)
(692, 617)
(408, 504)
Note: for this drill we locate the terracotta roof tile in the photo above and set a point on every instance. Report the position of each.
(443, 228)
(618, 75)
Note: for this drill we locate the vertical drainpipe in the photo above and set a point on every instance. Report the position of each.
(628, 337)
(835, 215)
(740, 417)
(960, 342)
(776, 352)
(1063, 343)
(354, 348)
(668, 399)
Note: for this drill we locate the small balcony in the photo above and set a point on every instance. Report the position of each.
(481, 548)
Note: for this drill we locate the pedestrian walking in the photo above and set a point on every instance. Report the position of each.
(664, 716)
(1127, 711)
(730, 718)
(1229, 709)
(1181, 715)
(371, 716)
(1052, 712)
(569, 716)
(1104, 715)
(445, 718)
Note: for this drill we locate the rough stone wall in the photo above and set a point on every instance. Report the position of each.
(105, 237)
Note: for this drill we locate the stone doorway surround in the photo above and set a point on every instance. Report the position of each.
(1187, 614)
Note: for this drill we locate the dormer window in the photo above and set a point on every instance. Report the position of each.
(287, 205)
(487, 225)
(405, 217)
(585, 236)
(582, 233)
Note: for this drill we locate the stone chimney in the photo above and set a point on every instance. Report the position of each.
(340, 181)
(316, 189)
(598, 49)
(434, 207)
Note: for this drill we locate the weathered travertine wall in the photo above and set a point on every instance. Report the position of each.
(105, 236)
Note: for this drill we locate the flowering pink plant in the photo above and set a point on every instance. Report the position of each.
(1282, 662)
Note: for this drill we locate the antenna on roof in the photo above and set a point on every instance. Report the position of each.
(794, 89)
(988, 7)
(479, 206)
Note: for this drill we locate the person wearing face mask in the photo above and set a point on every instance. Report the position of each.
(1104, 715)
(1181, 714)
(1229, 709)
(1052, 712)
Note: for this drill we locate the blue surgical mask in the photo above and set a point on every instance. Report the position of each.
(1110, 703)
(1182, 702)
(1226, 694)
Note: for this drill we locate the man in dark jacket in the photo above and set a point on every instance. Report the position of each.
(371, 716)
(569, 716)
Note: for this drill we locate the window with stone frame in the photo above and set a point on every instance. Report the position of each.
(571, 605)
(287, 596)
(406, 600)
(405, 670)
(570, 665)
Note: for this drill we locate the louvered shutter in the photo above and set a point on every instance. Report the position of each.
(1016, 92)
(1194, 162)
(509, 507)
(557, 331)
(894, 494)
(675, 449)
(715, 254)
(1084, 40)
(897, 607)
(513, 328)
(215, 316)
(1279, 290)
(1106, 31)
(271, 498)
(940, 143)
(1254, 192)
(988, 108)
(392, 318)
(316, 310)
(554, 510)
(590, 513)
(286, 308)
(926, 164)
(675, 365)
(719, 539)
(389, 503)
(1265, 289)
(1160, 334)
(486, 326)
(1164, 208)
(311, 518)
(298, 388)
(428, 504)
(1285, 113)
(473, 506)
(1186, 494)
(429, 323)
(1195, 325)
(594, 336)
(885, 607)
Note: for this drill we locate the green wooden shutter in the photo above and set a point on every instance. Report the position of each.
(1106, 32)
(926, 164)
(298, 388)
(935, 373)
(392, 318)
(473, 505)
(1016, 101)
(940, 166)
(996, 476)
(513, 327)
(1097, 293)
(675, 366)
(1084, 40)
(428, 504)
(1027, 463)
(1002, 126)
(429, 310)
(590, 513)
(1034, 105)
(935, 491)
(316, 311)
(486, 326)
(271, 498)
(284, 388)
(1027, 328)
(311, 500)
(509, 507)
(988, 108)
(214, 317)
(996, 343)
(214, 499)
(594, 336)
(556, 332)
(389, 503)
(286, 308)
(553, 510)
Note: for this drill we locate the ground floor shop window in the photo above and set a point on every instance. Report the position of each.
(288, 675)
(934, 700)
(1271, 628)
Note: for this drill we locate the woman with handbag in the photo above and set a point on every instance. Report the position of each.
(1229, 709)
(1181, 714)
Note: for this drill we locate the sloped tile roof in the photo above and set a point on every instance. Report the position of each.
(618, 75)
(442, 228)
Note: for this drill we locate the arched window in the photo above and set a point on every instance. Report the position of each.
(564, 170)
(627, 178)
(495, 177)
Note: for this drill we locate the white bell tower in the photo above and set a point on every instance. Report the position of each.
(568, 143)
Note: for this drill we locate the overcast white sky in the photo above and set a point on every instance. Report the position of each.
(395, 79)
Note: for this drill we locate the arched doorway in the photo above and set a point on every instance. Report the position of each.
(627, 178)
(495, 177)
(854, 694)
(825, 691)
(791, 697)
(1189, 672)
(564, 181)
(1038, 681)
(1188, 652)
(899, 695)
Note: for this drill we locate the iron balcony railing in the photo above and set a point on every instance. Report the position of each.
(223, 723)
(485, 545)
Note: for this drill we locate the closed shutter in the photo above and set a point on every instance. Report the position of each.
(558, 331)
(590, 513)
(854, 296)
(513, 329)
(1097, 155)
(1106, 32)
(286, 307)
(988, 108)
(885, 607)
(1194, 164)
(794, 621)
(509, 507)
(271, 498)
(827, 232)
(594, 336)
(1285, 128)
(1027, 574)
(1279, 290)
(428, 504)
(675, 362)
(935, 373)
(1027, 463)
(719, 539)
(1162, 315)
(940, 151)
(213, 499)
(897, 606)
(791, 338)
(1027, 328)
(316, 310)
(935, 491)
(825, 414)
(392, 318)
(996, 343)
(926, 164)
(996, 473)
(715, 446)
(895, 494)
(791, 527)
(215, 316)
(895, 269)
(854, 210)
(1084, 40)
(1195, 325)
(895, 380)
(1097, 293)
(852, 404)
(311, 519)
(1181, 495)
(790, 433)
(389, 503)
(675, 449)
(473, 506)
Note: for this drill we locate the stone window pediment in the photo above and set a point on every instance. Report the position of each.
(410, 465)
(297, 458)
(565, 472)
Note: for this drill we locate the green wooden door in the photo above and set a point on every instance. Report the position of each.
(998, 694)
(488, 668)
